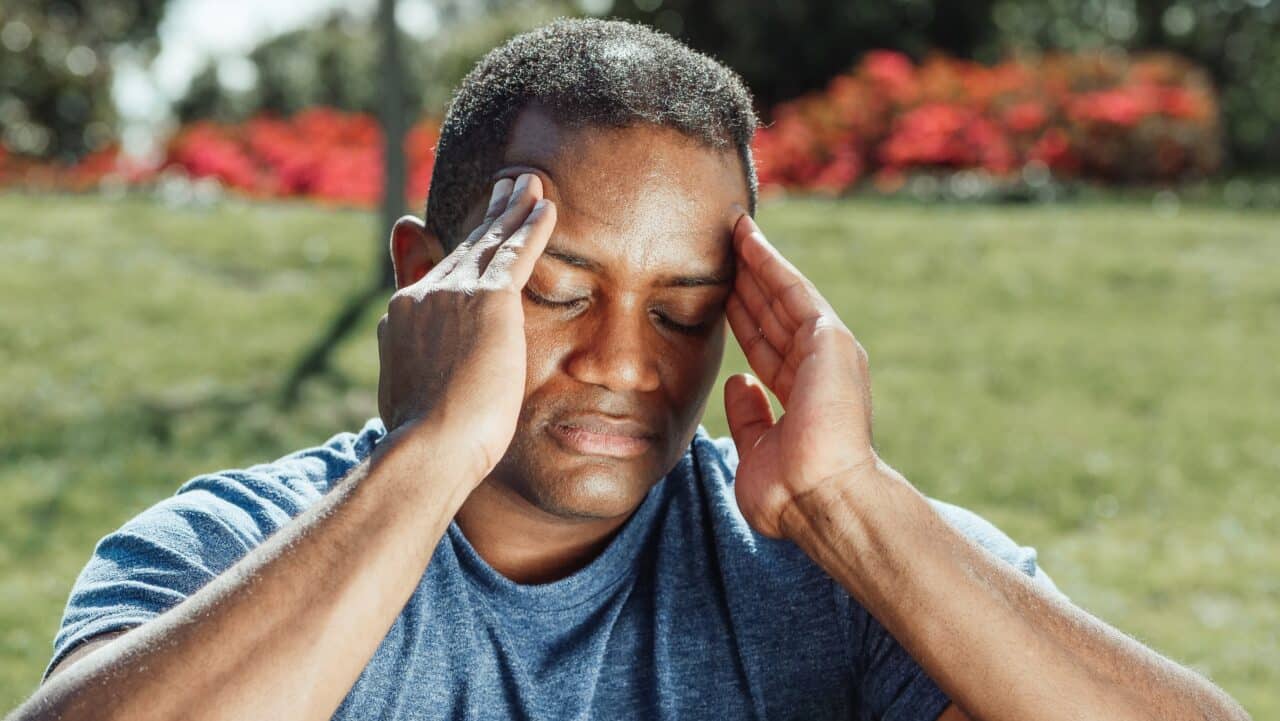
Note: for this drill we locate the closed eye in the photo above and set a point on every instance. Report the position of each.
(684, 328)
(687, 329)
(539, 300)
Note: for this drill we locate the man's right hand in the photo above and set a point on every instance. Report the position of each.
(259, 641)
(452, 345)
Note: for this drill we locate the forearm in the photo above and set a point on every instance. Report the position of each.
(1001, 647)
(284, 632)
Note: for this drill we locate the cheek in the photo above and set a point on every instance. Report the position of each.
(545, 352)
(693, 366)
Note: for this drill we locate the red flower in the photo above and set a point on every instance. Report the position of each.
(1123, 107)
(206, 150)
(1185, 104)
(1149, 117)
(892, 72)
(1026, 116)
(1054, 150)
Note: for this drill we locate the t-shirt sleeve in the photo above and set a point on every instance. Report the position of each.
(157, 559)
(172, 549)
(890, 684)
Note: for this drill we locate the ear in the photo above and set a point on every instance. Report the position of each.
(414, 250)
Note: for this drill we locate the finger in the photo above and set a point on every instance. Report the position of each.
(763, 315)
(384, 383)
(766, 302)
(747, 409)
(777, 277)
(763, 357)
(526, 192)
(500, 198)
(498, 201)
(513, 261)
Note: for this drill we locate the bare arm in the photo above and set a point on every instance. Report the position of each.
(85, 649)
(998, 644)
(1003, 648)
(285, 632)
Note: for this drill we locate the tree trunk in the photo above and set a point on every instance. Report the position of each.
(393, 119)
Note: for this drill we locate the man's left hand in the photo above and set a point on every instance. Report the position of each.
(810, 360)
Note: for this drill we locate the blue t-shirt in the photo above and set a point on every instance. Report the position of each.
(687, 614)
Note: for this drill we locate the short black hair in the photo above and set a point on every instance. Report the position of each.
(583, 73)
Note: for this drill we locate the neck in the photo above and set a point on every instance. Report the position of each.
(528, 544)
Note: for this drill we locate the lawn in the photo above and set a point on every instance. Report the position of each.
(1098, 379)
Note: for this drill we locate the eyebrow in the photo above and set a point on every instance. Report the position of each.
(674, 281)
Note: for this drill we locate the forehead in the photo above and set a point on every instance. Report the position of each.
(640, 200)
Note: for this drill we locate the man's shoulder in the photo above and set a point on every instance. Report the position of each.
(316, 467)
(256, 500)
(967, 522)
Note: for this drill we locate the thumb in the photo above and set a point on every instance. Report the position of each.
(746, 407)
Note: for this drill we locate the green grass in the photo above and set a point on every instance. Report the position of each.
(1100, 381)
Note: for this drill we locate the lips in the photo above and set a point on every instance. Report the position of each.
(600, 435)
(607, 425)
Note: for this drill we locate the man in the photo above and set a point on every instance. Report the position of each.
(536, 526)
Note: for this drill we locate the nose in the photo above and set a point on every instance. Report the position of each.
(617, 350)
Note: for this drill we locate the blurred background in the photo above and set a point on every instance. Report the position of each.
(1055, 225)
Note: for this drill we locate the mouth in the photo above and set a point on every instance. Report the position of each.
(595, 436)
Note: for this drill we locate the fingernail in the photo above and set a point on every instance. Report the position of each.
(522, 183)
(500, 190)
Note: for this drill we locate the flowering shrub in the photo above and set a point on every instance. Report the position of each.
(1103, 117)
(1149, 118)
(321, 153)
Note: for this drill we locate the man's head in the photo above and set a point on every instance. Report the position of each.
(643, 145)
(583, 73)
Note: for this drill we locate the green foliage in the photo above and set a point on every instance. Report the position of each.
(1234, 39)
(1097, 379)
(55, 57)
(333, 64)
(783, 49)
(336, 64)
(55, 76)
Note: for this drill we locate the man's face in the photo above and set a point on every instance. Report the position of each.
(624, 312)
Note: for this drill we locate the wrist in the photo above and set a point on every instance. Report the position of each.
(855, 524)
(430, 458)
(845, 497)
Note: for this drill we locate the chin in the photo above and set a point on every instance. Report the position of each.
(570, 484)
(590, 492)
(578, 486)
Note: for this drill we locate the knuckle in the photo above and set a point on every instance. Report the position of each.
(498, 282)
(502, 260)
(401, 301)
(460, 293)
(480, 231)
